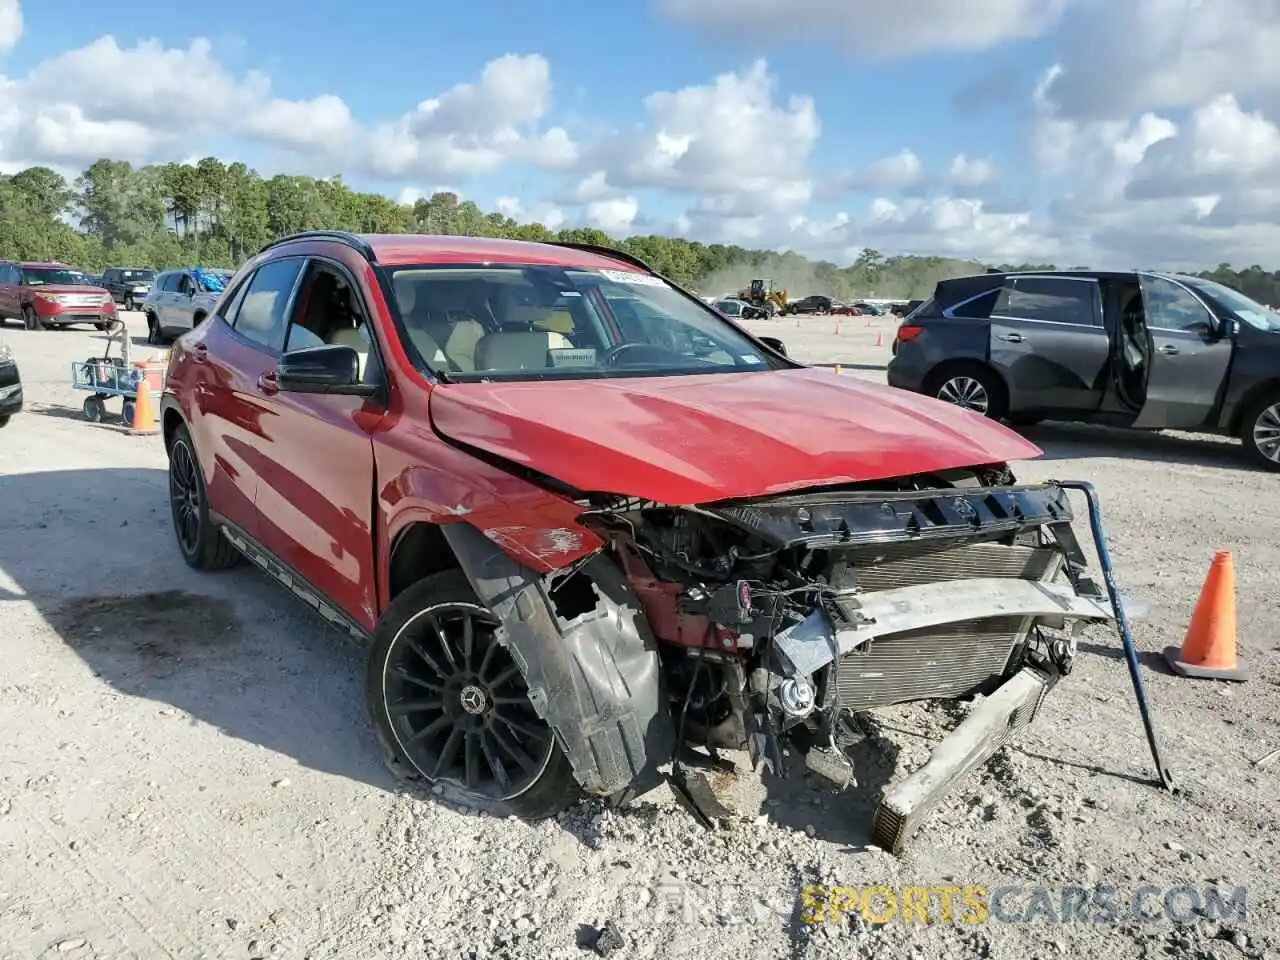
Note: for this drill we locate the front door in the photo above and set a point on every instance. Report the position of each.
(1049, 343)
(315, 470)
(1189, 357)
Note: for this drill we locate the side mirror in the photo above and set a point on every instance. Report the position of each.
(774, 344)
(329, 369)
(1228, 327)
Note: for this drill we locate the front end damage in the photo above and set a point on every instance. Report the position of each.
(751, 624)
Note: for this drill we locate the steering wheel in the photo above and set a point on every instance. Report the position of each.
(659, 353)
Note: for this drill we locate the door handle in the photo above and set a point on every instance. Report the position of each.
(268, 383)
(1013, 337)
(1169, 350)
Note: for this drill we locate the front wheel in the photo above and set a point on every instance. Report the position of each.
(30, 320)
(153, 330)
(1260, 432)
(450, 705)
(4, 420)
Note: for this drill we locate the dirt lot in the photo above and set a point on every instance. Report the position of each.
(186, 769)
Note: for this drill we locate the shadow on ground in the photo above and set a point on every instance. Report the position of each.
(1074, 441)
(94, 552)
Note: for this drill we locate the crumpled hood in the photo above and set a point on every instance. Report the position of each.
(696, 439)
(64, 289)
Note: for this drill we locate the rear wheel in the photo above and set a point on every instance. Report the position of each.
(153, 330)
(1260, 431)
(202, 544)
(450, 705)
(93, 409)
(4, 420)
(972, 387)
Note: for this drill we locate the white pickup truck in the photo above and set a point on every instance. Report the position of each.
(180, 299)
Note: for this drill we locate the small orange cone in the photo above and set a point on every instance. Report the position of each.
(879, 339)
(1208, 651)
(144, 418)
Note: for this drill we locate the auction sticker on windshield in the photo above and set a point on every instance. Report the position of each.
(624, 276)
(572, 357)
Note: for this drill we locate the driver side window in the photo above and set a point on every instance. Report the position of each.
(1169, 307)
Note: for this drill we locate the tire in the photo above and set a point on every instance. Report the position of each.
(1260, 431)
(770, 309)
(974, 383)
(129, 304)
(202, 545)
(101, 326)
(153, 330)
(126, 412)
(30, 320)
(408, 653)
(93, 409)
(4, 420)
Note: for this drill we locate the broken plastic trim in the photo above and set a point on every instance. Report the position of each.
(872, 517)
(596, 679)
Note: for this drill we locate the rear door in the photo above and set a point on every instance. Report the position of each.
(162, 298)
(238, 354)
(1189, 358)
(1049, 343)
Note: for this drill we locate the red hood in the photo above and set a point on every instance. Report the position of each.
(696, 439)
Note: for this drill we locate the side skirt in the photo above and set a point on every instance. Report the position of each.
(297, 584)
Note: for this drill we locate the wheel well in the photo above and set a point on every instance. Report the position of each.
(169, 425)
(949, 368)
(1266, 388)
(419, 551)
(198, 317)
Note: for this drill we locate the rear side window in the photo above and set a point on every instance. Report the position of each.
(976, 308)
(262, 311)
(1050, 300)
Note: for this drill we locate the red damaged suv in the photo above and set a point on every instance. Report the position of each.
(52, 295)
(593, 532)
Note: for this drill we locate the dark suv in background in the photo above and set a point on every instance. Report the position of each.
(1134, 349)
(128, 286)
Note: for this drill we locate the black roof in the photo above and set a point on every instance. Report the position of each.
(991, 274)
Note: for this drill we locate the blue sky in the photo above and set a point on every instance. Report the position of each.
(1051, 166)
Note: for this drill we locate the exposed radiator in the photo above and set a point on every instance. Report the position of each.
(949, 661)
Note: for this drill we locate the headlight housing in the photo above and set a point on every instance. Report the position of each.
(6, 353)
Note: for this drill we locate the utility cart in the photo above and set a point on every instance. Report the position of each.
(107, 376)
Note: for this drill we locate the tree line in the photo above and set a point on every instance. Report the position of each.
(216, 214)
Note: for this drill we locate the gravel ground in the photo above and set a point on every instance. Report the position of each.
(186, 769)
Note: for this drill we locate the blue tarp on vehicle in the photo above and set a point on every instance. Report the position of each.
(210, 281)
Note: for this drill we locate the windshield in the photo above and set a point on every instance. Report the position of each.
(731, 308)
(39, 276)
(1250, 311)
(137, 276)
(542, 322)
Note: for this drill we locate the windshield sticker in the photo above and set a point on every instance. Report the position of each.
(626, 276)
(748, 359)
(572, 357)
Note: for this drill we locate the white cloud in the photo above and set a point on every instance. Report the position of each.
(969, 172)
(881, 28)
(10, 24)
(727, 142)
(548, 214)
(1122, 58)
(902, 169)
(613, 216)
(141, 102)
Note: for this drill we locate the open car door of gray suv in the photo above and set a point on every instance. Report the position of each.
(1188, 356)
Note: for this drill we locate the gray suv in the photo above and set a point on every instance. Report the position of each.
(180, 299)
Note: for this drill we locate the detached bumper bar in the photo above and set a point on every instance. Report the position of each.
(816, 640)
(987, 728)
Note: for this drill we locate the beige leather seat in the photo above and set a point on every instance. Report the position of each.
(428, 347)
(451, 321)
(518, 351)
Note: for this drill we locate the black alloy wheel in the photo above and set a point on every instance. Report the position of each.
(459, 706)
(202, 544)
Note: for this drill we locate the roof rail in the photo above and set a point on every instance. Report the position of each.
(604, 251)
(357, 243)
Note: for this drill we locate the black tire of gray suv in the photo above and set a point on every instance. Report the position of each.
(1262, 413)
(445, 695)
(953, 379)
(202, 545)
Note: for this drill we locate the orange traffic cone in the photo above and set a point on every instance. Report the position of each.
(144, 418)
(1208, 651)
(879, 339)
